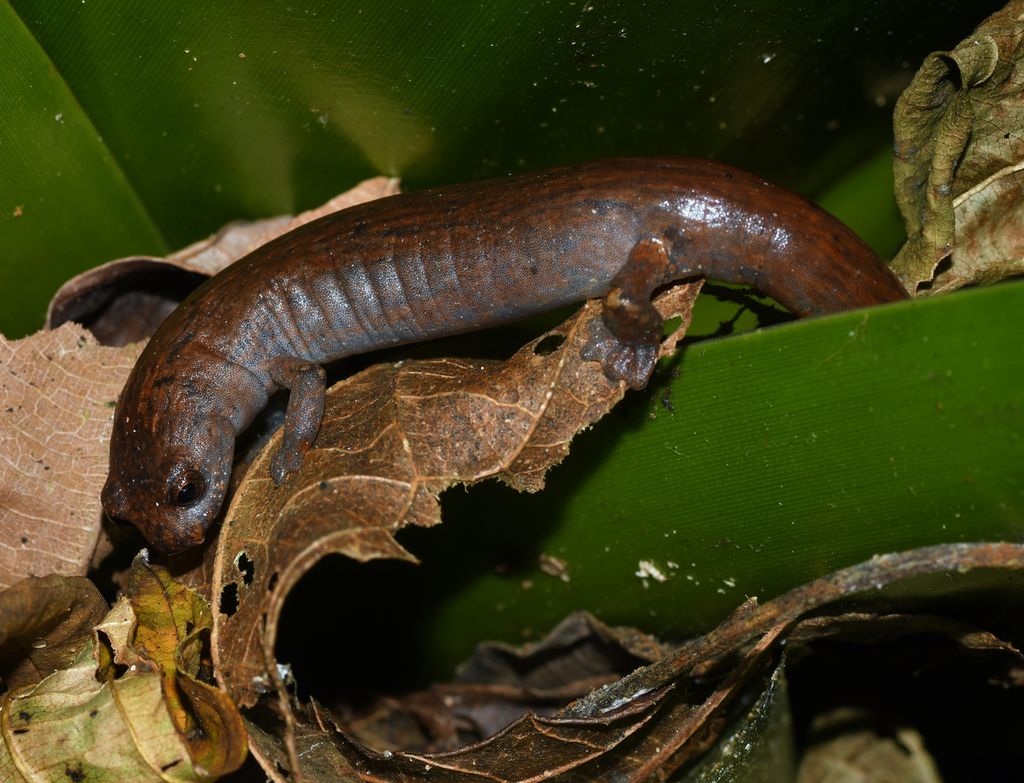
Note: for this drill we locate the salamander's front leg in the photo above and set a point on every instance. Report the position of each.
(307, 388)
(626, 340)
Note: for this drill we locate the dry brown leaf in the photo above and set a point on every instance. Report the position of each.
(393, 437)
(321, 762)
(578, 649)
(671, 715)
(530, 749)
(501, 683)
(58, 391)
(642, 733)
(45, 622)
(872, 628)
(959, 161)
(753, 742)
(753, 620)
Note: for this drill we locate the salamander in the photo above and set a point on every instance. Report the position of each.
(445, 261)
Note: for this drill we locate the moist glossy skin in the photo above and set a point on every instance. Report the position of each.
(445, 261)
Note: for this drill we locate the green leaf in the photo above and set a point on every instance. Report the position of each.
(789, 453)
(64, 202)
(166, 131)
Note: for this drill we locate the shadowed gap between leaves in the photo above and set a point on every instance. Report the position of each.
(389, 604)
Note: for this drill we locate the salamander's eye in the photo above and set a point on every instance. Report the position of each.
(189, 488)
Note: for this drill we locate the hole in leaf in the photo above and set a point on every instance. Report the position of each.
(246, 567)
(549, 345)
(941, 268)
(229, 599)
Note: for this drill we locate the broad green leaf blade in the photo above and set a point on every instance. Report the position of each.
(64, 203)
(195, 134)
(789, 453)
(860, 199)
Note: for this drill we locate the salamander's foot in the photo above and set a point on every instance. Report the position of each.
(306, 383)
(632, 362)
(626, 339)
(285, 461)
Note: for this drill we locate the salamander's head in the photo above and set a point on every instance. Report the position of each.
(169, 468)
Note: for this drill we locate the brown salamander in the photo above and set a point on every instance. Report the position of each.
(445, 261)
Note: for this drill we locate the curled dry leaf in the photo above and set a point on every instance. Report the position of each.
(752, 619)
(73, 725)
(45, 622)
(755, 744)
(870, 628)
(530, 749)
(393, 437)
(321, 762)
(131, 705)
(959, 161)
(171, 635)
(664, 728)
(671, 711)
(58, 390)
(501, 683)
(578, 649)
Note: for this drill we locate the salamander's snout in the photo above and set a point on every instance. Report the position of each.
(172, 539)
(114, 502)
(168, 531)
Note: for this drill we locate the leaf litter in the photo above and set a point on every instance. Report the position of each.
(654, 720)
(958, 161)
(381, 462)
(58, 390)
(44, 624)
(133, 703)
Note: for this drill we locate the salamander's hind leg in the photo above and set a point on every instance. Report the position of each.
(306, 384)
(626, 340)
